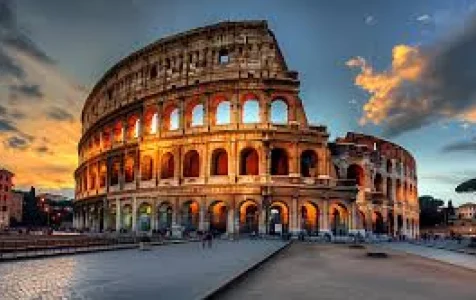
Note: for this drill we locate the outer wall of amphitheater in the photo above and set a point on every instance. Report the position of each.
(205, 130)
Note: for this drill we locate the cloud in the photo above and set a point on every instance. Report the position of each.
(16, 142)
(423, 18)
(465, 146)
(423, 85)
(59, 114)
(28, 90)
(28, 133)
(370, 20)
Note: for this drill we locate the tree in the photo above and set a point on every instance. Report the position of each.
(431, 213)
(469, 186)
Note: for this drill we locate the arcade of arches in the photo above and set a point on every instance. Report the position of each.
(249, 216)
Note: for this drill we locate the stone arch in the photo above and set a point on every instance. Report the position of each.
(191, 164)
(220, 110)
(167, 166)
(389, 187)
(309, 163)
(151, 120)
(164, 216)
(144, 217)
(117, 132)
(171, 117)
(102, 174)
(249, 161)
(356, 172)
(218, 212)
(310, 217)
(339, 219)
(115, 170)
(362, 220)
(389, 166)
(378, 182)
(250, 112)
(190, 215)
(194, 113)
(249, 217)
(399, 190)
(129, 169)
(278, 214)
(133, 127)
(219, 163)
(147, 167)
(279, 111)
(279, 162)
(378, 226)
(106, 137)
(92, 178)
(126, 217)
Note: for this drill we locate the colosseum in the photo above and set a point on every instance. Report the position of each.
(205, 130)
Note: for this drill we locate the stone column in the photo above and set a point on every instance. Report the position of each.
(134, 214)
(353, 223)
(118, 215)
(230, 224)
(395, 222)
(294, 228)
(325, 216)
(262, 220)
(202, 216)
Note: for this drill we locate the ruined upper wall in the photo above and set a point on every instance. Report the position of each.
(224, 51)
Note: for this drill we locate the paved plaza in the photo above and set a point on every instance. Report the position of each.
(182, 271)
(313, 271)
(454, 258)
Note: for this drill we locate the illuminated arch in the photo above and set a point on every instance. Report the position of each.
(219, 165)
(249, 162)
(167, 166)
(279, 162)
(191, 164)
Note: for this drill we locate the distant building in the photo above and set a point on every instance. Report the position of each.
(466, 211)
(6, 185)
(16, 207)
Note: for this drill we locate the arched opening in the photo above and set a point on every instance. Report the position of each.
(378, 182)
(278, 218)
(399, 190)
(111, 224)
(171, 118)
(147, 167)
(249, 217)
(165, 216)
(102, 174)
(133, 127)
(389, 188)
(279, 111)
(167, 166)
(115, 171)
(405, 192)
(190, 215)
(223, 57)
(144, 217)
(390, 222)
(309, 164)
(223, 113)
(279, 162)
(339, 219)
(361, 221)
(378, 226)
(92, 179)
(218, 216)
(310, 218)
(389, 166)
(191, 164)
(118, 132)
(197, 115)
(126, 212)
(219, 162)
(129, 169)
(250, 112)
(106, 138)
(249, 162)
(151, 118)
(400, 224)
(356, 173)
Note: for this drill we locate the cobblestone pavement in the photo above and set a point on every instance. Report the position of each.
(458, 259)
(182, 271)
(313, 271)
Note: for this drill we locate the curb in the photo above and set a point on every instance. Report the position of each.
(216, 292)
(77, 251)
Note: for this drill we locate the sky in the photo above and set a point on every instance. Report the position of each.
(401, 70)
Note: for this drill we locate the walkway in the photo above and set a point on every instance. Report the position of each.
(182, 271)
(447, 256)
(314, 271)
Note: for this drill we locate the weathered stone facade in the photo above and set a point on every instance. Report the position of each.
(205, 129)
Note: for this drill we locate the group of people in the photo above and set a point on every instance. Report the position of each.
(207, 238)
